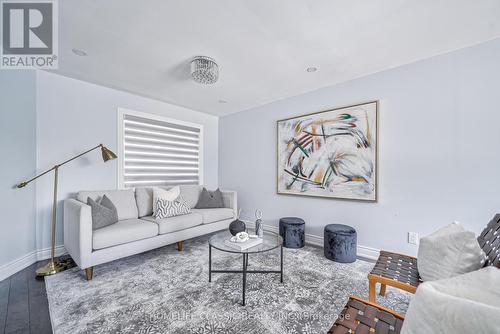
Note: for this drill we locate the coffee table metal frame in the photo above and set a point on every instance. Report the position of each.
(245, 270)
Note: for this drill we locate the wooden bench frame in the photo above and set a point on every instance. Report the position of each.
(384, 281)
(368, 303)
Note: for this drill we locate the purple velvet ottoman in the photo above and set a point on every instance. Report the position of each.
(340, 243)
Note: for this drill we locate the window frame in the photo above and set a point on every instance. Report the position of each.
(121, 129)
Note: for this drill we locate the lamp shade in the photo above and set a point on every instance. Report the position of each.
(107, 154)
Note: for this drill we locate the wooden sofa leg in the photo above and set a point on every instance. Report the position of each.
(382, 289)
(89, 273)
(371, 290)
(179, 246)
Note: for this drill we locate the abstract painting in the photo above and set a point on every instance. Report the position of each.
(332, 153)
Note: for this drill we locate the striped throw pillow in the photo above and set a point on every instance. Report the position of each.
(177, 207)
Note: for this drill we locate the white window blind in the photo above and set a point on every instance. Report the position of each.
(158, 152)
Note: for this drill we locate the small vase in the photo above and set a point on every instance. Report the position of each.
(259, 228)
(237, 226)
(259, 225)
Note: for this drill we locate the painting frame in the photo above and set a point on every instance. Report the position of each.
(375, 176)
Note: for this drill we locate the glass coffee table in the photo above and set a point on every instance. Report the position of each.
(271, 241)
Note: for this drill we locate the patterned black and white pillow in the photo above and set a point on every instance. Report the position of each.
(177, 207)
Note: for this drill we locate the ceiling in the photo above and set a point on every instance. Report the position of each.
(263, 47)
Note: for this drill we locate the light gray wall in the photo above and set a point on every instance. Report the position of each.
(439, 158)
(74, 115)
(18, 151)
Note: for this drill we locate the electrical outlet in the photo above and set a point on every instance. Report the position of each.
(413, 238)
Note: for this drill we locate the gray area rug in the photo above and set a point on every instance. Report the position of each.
(166, 291)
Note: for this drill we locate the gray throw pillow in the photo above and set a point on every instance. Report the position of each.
(210, 199)
(103, 212)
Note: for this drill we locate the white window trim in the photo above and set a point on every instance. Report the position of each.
(121, 115)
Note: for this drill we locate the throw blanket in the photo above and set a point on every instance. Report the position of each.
(469, 303)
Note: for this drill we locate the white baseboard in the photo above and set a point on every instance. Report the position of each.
(368, 253)
(43, 254)
(19, 264)
(363, 252)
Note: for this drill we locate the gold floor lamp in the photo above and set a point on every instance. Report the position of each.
(52, 267)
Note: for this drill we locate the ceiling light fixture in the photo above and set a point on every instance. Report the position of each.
(79, 52)
(311, 69)
(204, 70)
(222, 101)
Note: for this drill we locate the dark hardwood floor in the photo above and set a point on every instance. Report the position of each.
(24, 307)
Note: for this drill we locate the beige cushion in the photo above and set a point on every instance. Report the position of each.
(123, 231)
(177, 223)
(144, 199)
(124, 201)
(448, 252)
(468, 303)
(191, 193)
(215, 215)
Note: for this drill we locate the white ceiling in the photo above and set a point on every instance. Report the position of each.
(263, 47)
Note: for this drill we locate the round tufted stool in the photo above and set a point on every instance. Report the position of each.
(340, 243)
(292, 229)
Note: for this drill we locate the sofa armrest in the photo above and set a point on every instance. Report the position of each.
(78, 232)
(229, 197)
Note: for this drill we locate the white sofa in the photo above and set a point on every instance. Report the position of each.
(137, 230)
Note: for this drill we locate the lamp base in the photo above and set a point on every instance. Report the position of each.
(50, 268)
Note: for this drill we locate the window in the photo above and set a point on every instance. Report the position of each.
(157, 151)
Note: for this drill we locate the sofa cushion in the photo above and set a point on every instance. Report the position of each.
(215, 215)
(177, 223)
(191, 193)
(124, 201)
(169, 195)
(122, 232)
(448, 252)
(144, 199)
